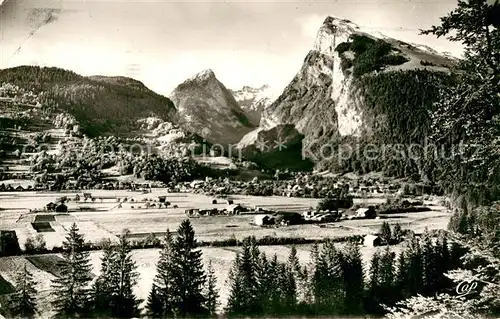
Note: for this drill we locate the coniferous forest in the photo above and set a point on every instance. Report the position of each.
(336, 281)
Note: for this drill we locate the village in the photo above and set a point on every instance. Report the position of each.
(144, 210)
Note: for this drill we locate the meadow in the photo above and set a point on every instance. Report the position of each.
(107, 220)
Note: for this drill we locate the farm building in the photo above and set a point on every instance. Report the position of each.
(288, 218)
(162, 199)
(51, 206)
(235, 209)
(261, 220)
(61, 208)
(372, 241)
(366, 212)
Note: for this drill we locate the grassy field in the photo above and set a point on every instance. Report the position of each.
(107, 220)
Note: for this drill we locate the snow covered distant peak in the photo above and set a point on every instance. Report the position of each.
(253, 101)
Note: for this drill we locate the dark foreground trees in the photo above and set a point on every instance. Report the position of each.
(179, 286)
(71, 290)
(22, 303)
(113, 289)
(467, 123)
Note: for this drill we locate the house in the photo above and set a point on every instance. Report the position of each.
(162, 199)
(372, 241)
(51, 207)
(366, 212)
(261, 220)
(61, 208)
(288, 218)
(235, 209)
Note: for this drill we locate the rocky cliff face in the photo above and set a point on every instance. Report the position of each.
(277, 147)
(253, 101)
(207, 108)
(326, 100)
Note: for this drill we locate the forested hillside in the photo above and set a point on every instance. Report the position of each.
(101, 105)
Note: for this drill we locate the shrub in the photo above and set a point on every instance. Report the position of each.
(9, 244)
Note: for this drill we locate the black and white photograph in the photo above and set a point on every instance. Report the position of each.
(307, 159)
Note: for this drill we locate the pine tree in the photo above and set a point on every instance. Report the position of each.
(353, 279)
(401, 280)
(385, 233)
(290, 298)
(188, 274)
(22, 303)
(309, 272)
(154, 306)
(163, 282)
(429, 265)
(275, 287)
(293, 265)
(103, 286)
(398, 233)
(245, 297)
(71, 290)
(415, 268)
(329, 292)
(211, 291)
(443, 263)
(124, 303)
(388, 295)
(235, 304)
(373, 289)
(266, 280)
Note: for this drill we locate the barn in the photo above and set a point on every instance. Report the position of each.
(372, 241)
(162, 199)
(234, 209)
(61, 208)
(366, 212)
(261, 220)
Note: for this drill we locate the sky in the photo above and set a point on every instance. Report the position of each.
(163, 42)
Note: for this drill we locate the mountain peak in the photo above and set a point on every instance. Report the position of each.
(204, 75)
(333, 31)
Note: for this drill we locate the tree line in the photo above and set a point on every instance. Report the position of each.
(335, 282)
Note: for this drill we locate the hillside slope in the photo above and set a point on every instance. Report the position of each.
(99, 104)
(208, 108)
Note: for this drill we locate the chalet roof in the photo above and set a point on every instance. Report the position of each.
(233, 206)
(362, 210)
(370, 237)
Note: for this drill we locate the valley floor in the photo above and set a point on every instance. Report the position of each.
(108, 220)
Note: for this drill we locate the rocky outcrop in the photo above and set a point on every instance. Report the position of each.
(325, 101)
(207, 108)
(277, 147)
